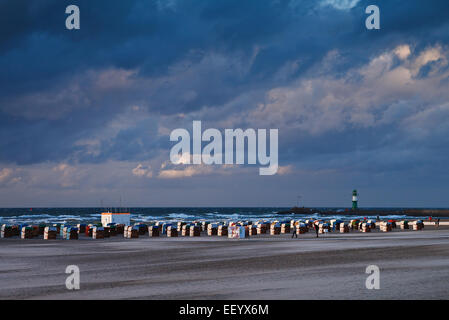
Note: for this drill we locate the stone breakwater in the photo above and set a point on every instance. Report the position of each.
(370, 212)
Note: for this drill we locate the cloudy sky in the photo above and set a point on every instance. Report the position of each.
(85, 115)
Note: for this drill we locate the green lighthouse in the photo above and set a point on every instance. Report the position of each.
(354, 199)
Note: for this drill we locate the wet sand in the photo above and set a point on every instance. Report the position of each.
(413, 264)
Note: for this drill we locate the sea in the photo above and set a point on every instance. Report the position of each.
(146, 215)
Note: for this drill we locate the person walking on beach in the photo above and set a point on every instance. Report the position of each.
(438, 222)
(294, 232)
(316, 229)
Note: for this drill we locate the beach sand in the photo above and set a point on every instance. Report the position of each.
(413, 265)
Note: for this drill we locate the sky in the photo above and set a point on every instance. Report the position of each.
(86, 115)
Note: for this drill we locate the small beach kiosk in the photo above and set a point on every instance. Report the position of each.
(114, 217)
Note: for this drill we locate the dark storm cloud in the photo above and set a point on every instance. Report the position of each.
(151, 36)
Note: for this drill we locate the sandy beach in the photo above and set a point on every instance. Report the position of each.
(413, 264)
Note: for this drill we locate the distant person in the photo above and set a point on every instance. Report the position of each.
(295, 233)
(378, 218)
(438, 222)
(316, 229)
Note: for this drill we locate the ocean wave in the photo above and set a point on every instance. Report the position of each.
(181, 216)
(28, 216)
